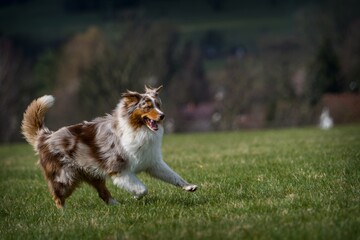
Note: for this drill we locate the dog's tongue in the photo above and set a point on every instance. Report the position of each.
(153, 125)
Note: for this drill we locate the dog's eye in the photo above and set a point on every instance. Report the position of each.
(158, 104)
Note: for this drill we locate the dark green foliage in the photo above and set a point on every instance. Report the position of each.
(155, 42)
(189, 83)
(324, 73)
(144, 55)
(350, 60)
(15, 89)
(212, 44)
(45, 72)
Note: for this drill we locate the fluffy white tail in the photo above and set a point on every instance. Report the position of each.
(34, 115)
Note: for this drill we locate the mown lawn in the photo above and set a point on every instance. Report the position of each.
(273, 184)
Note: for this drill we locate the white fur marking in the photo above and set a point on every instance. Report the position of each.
(47, 100)
(131, 183)
(190, 188)
(154, 104)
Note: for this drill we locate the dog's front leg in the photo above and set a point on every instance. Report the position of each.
(130, 183)
(162, 171)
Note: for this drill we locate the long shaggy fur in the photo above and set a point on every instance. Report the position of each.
(34, 118)
(118, 146)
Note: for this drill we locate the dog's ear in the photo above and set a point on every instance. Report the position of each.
(153, 91)
(157, 90)
(131, 96)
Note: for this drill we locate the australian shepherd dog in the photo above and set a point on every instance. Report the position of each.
(116, 146)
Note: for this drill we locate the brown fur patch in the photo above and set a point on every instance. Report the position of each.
(136, 119)
(153, 115)
(86, 133)
(52, 167)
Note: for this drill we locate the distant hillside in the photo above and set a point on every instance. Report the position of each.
(37, 24)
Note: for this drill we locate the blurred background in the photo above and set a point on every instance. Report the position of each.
(225, 64)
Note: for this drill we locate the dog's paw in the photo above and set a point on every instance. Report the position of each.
(138, 197)
(140, 193)
(112, 202)
(190, 188)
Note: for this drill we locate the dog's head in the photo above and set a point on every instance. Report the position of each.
(144, 109)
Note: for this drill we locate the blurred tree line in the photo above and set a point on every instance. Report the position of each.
(280, 83)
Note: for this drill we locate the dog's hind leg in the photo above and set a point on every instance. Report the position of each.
(57, 197)
(130, 183)
(100, 185)
(60, 192)
(163, 172)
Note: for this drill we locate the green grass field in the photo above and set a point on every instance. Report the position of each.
(273, 184)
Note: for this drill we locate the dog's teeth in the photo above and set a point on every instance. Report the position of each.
(152, 124)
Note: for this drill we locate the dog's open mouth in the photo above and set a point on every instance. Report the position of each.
(151, 124)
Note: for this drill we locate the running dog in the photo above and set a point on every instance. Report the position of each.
(116, 146)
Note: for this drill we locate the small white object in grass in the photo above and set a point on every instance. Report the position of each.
(326, 122)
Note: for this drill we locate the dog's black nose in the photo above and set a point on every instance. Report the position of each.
(162, 116)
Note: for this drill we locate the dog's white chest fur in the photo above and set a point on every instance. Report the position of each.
(142, 148)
